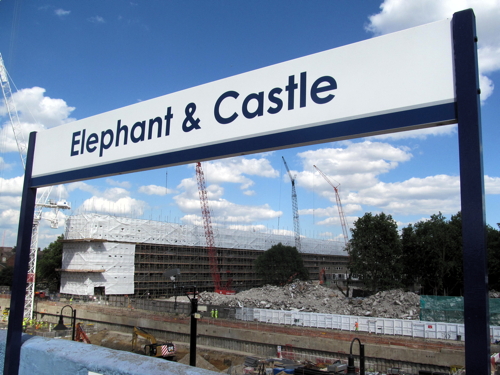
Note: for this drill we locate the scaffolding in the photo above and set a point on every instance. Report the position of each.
(159, 246)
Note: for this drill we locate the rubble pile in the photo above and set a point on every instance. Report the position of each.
(395, 304)
(310, 297)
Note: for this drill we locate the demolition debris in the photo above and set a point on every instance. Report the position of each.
(310, 297)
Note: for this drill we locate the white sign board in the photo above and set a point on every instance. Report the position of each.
(324, 96)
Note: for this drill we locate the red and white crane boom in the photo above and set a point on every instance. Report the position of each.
(295, 209)
(343, 223)
(209, 234)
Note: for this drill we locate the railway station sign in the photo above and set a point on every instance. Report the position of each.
(394, 82)
(420, 77)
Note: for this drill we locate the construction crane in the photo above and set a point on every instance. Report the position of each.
(295, 208)
(42, 201)
(209, 234)
(343, 222)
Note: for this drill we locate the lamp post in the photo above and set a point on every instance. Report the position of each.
(194, 316)
(351, 369)
(60, 325)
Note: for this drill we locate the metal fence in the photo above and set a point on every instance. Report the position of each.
(382, 326)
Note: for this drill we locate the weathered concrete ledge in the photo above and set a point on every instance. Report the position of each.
(42, 356)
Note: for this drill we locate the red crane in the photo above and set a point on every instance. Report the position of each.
(209, 234)
(295, 209)
(343, 222)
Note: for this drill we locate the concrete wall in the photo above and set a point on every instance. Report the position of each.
(42, 356)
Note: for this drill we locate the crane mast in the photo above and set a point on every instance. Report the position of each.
(343, 222)
(41, 202)
(12, 111)
(295, 209)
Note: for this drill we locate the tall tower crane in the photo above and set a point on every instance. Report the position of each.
(42, 201)
(343, 222)
(295, 208)
(209, 234)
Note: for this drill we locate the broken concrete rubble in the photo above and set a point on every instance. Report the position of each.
(311, 297)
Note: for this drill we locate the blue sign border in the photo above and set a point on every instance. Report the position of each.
(436, 115)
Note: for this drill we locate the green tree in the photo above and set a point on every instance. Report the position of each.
(48, 263)
(432, 255)
(493, 257)
(6, 275)
(278, 264)
(375, 252)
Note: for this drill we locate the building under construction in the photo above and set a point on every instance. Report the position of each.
(109, 255)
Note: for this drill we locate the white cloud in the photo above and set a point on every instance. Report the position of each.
(121, 206)
(123, 184)
(9, 217)
(8, 202)
(233, 170)
(115, 193)
(35, 112)
(83, 186)
(492, 185)
(12, 186)
(227, 212)
(96, 19)
(413, 196)
(397, 15)
(355, 166)
(3, 164)
(61, 12)
(34, 107)
(154, 190)
(418, 134)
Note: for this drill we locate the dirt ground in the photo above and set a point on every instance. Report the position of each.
(208, 359)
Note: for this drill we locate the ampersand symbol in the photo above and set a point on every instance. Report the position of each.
(189, 111)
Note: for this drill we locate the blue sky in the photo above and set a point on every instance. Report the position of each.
(73, 59)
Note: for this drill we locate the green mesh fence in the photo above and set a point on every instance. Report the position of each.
(451, 309)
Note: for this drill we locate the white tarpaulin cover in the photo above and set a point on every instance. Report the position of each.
(97, 264)
(121, 229)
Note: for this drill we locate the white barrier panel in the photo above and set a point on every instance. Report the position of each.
(379, 326)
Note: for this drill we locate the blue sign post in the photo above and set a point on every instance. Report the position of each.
(476, 311)
(432, 103)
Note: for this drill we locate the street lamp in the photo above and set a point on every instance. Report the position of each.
(60, 325)
(351, 369)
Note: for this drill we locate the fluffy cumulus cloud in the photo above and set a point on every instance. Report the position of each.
(397, 15)
(35, 112)
(236, 170)
(413, 196)
(154, 190)
(231, 170)
(229, 213)
(11, 186)
(356, 165)
(120, 206)
(359, 166)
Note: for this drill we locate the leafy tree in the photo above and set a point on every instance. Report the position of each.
(432, 255)
(375, 252)
(278, 264)
(493, 257)
(48, 263)
(6, 275)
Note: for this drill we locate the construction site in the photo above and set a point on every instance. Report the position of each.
(109, 255)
